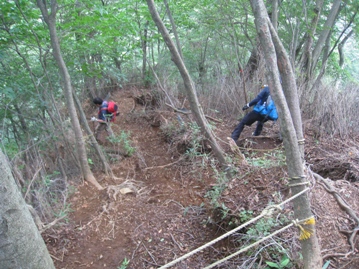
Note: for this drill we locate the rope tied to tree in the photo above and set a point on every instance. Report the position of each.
(299, 177)
(305, 232)
(267, 211)
(300, 183)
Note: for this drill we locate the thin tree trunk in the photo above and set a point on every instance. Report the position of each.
(322, 68)
(306, 58)
(80, 145)
(274, 16)
(310, 247)
(144, 51)
(289, 87)
(325, 33)
(340, 48)
(189, 86)
(21, 244)
(102, 156)
(174, 28)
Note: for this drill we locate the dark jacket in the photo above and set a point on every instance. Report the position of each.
(262, 96)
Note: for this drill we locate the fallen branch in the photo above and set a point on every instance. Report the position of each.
(163, 166)
(49, 225)
(329, 188)
(187, 112)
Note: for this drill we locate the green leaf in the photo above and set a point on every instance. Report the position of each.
(272, 264)
(284, 262)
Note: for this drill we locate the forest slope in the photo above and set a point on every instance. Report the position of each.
(169, 206)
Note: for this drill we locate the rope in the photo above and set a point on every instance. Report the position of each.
(250, 246)
(297, 178)
(294, 222)
(299, 184)
(265, 212)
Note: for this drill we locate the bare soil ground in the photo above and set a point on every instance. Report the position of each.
(166, 211)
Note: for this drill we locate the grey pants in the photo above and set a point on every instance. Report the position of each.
(103, 126)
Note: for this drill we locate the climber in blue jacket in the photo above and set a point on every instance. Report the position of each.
(254, 115)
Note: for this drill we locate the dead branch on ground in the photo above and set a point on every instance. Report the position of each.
(163, 166)
(187, 112)
(342, 203)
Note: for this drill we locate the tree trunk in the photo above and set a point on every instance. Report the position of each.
(174, 28)
(289, 87)
(189, 86)
(310, 247)
(306, 57)
(274, 16)
(21, 244)
(80, 145)
(325, 33)
(144, 52)
(340, 48)
(97, 147)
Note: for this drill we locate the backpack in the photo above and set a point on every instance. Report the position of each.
(112, 108)
(267, 109)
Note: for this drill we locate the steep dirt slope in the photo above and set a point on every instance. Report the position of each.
(165, 215)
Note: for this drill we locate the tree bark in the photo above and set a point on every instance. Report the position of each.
(310, 247)
(174, 28)
(325, 33)
(21, 244)
(97, 147)
(306, 57)
(289, 87)
(340, 48)
(189, 86)
(80, 145)
(274, 16)
(144, 52)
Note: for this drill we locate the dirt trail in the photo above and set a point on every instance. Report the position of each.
(167, 215)
(146, 227)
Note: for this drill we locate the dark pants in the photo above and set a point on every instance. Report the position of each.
(248, 120)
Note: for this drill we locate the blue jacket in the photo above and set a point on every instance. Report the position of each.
(262, 96)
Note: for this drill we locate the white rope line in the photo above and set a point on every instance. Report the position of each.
(248, 247)
(265, 212)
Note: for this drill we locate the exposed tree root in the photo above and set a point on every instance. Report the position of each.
(351, 234)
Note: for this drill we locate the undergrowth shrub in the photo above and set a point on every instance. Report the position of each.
(267, 160)
(123, 143)
(43, 187)
(333, 108)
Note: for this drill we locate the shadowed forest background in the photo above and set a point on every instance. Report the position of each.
(156, 190)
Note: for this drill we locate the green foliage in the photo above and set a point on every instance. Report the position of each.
(123, 141)
(124, 264)
(65, 210)
(283, 263)
(272, 159)
(262, 227)
(245, 215)
(196, 139)
(9, 147)
(216, 191)
(171, 130)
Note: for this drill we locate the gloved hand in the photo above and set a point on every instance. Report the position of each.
(245, 107)
(93, 119)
